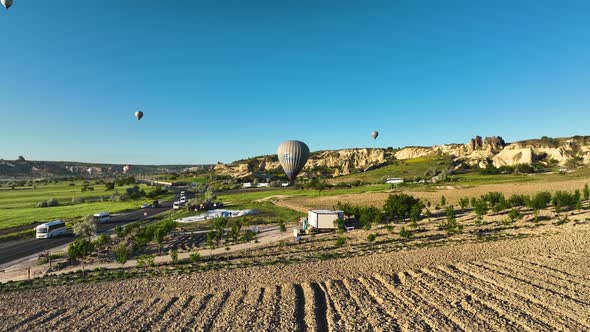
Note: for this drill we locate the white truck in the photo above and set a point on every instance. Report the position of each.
(323, 219)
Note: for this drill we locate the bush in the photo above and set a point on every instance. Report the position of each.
(368, 216)
(518, 200)
(121, 253)
(194, 257)
(371, 238)
(120, 231)
(174, 256)
(389, 228)
(451, 226)
(404, 233)
(341, 241)
(48, 203)
(402, 206)
(102, 240)
(513, 216)
(146, 260)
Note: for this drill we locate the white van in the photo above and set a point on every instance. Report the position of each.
(102, 217)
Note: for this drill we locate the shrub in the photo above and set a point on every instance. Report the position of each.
(120, 231)
(514, 215)
(401, 206)
(282, 227)
(174, 256)
(404, 233)
(518, 200)
(102, 240)
(121, 253)
(146, 260)
(586, 192)
(389, 228)
(368, 216)
(451, 226)
(464, 202)
(371, 238)
(443, 200)
(194, 257)
(341, 241)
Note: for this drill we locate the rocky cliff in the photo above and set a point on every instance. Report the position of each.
(478, 152)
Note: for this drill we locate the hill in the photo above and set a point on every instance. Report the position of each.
(478, 153)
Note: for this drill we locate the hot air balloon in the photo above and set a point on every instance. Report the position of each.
(7, 3)
(139, 115)
(293, 156)
(126, 169)
(374, 134)
(90, 170)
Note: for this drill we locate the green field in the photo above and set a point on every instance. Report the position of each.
(18, 206)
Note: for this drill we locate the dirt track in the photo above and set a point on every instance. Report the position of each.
(532, 284)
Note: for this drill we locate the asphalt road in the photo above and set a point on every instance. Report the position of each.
(14, 250)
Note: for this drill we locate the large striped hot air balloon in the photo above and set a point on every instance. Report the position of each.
(293, 156)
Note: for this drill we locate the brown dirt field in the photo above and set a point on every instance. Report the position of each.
(451, 193)
(537, 283)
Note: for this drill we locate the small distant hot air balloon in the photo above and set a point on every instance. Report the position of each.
(126, 169)
(90, 170)
(7, 3)
(293, 156)
(138, 115)
(374, 134)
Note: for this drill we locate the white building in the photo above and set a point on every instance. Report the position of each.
(394, 180)
(324, 219)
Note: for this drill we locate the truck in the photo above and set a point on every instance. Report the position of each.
(322, 219)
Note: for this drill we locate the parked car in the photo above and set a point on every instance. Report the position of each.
(145, 206)
(176, 205)
(182, 199)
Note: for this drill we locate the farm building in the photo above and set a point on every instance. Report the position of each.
(394, 180)
(323, 219)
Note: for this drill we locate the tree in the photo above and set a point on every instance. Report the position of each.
(404, 233)
(282, 227)
(119, 231)
(451, 226)
(368, 216)
(514, 215)
(371, 238)
(463, 203)
(443, 200)
(121, 253)
(85, 228)
(586, 192)
(174, 256)
(235, 230)
(538, 202)
(79, 250)
(399, 206)
(480, 206)
(109, 186)
(158, 237)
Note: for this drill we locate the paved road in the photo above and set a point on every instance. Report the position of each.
(14, 250)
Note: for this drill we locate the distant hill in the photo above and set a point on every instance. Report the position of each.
(42, 169)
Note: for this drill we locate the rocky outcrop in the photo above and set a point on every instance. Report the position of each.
(477, 153)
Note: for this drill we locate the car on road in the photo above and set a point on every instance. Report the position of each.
(176, 205)
(156, 204)
(145, 206)
(182, 199)
(182, 193)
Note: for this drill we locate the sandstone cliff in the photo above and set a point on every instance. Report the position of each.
(478, 152)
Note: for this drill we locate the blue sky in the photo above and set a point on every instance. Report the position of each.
(225, 80)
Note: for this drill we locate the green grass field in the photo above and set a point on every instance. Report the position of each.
(19, 206)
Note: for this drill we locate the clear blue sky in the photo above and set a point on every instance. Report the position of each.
(224, 80)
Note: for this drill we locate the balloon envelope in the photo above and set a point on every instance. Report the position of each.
(139, 115)
(293, 155)
(7, 3)
(374, 134)
(126, 169)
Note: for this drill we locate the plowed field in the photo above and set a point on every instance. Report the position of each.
(532, 284)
